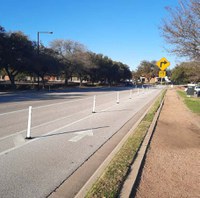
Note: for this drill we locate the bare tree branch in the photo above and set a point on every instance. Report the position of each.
(182, 29)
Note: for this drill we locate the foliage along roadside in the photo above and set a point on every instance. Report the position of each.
(192, 103)
(111, 181)
(64, 59)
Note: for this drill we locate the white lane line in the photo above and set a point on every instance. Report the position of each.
(11, 112)
(39, 107)
(27, 142)
(2, 114)
(46, 123)
(50, 133)
(30, 141)
(40, 125)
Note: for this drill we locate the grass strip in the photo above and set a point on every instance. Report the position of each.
(111, 181)
(192, 103)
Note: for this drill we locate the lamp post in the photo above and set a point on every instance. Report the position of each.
(38, 39)
(38, 46)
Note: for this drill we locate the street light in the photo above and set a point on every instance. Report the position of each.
(38, 39)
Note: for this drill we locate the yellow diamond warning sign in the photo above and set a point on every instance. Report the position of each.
(162, 74)
(163, 63)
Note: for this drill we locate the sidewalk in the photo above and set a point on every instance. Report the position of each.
(172, 164)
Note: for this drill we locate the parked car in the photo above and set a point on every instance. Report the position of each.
(197, 90)
(191, 85)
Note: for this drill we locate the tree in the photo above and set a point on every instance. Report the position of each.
(45, 63)
(81, 61)
(93, 71)
(186, 72)
(105, 70)
(182, 29)
(96, 72)
(123, 72)
(19, 57)
(146, 69)
(127, 74)
(15, 53)
(73, 55)
(3, 41)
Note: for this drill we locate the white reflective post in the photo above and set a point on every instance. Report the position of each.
(117, 97)
(130, 96)
(94, 104)
(28, 135)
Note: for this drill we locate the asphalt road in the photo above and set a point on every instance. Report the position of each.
(64, 131)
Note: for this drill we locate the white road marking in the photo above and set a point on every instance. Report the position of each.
(46, 123)
(43, 124)
(2, 114)
(11, 112)
(52, 132)
(40, 125)
(80, 135)
(39, 107)
(27, 142)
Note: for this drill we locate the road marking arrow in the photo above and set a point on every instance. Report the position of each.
(80, 135)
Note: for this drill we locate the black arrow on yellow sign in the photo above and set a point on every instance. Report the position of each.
(161, 63)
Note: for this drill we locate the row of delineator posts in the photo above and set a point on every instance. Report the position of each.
(28, 134)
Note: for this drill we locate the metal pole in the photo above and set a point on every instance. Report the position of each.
(38, 43)
(38, 39)
(38, 46)
(28, 135)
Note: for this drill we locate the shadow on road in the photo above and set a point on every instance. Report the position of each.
(68, 132)
(72, 93)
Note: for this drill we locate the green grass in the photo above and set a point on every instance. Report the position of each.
(192, 103)
(111, 181)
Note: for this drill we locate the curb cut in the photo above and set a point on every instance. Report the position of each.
(131, 181)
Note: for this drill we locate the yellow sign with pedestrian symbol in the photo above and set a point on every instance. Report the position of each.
(162, 74)
(163, 63)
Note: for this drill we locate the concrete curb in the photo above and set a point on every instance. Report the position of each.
(131, 181)
(82, 193)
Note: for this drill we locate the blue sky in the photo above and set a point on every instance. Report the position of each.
(124, 30)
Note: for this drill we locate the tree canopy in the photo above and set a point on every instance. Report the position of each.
(186, 72)
(182, 29)
(146, 69)
(15, 53)
(70, 58)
